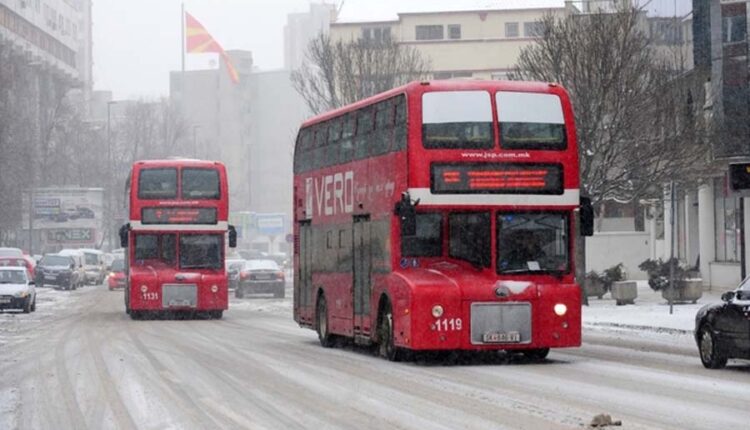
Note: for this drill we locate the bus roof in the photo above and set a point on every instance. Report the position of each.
(177, 162)
(438, 85)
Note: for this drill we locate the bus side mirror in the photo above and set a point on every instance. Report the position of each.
(124, 230)
(407, 213)
(587, 217)
(232, 237)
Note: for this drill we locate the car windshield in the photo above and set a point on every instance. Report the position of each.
(261, 265)
(12, 276)
(91, 259)
(118, 266)
(56, 260)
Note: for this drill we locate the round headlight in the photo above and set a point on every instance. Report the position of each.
(437, 311)
(144, 288)
(561, 309)
(214, 288)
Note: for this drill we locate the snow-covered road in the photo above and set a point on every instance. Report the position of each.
(79, 362)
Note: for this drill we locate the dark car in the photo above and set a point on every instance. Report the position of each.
(234, 266)
(57, 270)
(261, 277)
(722, 330)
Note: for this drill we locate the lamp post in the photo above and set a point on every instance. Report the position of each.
(109, 173)
(195, 141)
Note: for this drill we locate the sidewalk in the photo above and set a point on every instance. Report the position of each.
(649, 313)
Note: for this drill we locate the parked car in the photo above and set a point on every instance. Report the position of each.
(17, 289)
(261, 277)
(11, 252)
(24, 261)
(116, 278)
(58, 270)
(79, 258)
(721, 329)
(234, 266)
(94, 266)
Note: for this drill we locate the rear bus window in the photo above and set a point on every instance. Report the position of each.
(157, 183)
(530, 121)
(457, 119)
(200, 184)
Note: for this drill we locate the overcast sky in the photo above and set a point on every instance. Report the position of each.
(137, 42)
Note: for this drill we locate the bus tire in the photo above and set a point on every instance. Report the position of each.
(136, 315)
(321, 323)
(386, 348)
(536, 354)
(217, 315)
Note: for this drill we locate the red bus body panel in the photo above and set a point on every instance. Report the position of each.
(414, 285)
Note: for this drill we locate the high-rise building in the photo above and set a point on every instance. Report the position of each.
(301, 28)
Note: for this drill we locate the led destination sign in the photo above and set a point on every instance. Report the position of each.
(178, 216)
(497, 178)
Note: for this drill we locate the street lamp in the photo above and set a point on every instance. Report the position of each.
(109, 172)
(195, 141)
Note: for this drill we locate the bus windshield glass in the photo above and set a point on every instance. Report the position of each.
(200, 184)
(201, 251)
(158, 183)
(529, 242)
(470, 237)
(155, 248)
(530, 121)
(457, 119)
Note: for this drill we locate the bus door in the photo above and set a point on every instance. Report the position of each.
(362, 270)
(303, 288)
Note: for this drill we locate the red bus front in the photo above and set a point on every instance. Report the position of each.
(176, 237)
(453, 229)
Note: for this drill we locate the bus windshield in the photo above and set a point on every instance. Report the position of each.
(200, 184)
(156, 248)
(158, 183)
(201, 251)
(532, 242)
(457, 119)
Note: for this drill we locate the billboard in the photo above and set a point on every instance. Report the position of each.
(65, 216)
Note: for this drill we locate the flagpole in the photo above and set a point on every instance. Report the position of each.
(182, 27)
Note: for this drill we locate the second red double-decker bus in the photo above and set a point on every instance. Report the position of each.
(175, 238)
(439, 216)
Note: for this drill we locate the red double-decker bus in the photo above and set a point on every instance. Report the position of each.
(440, 216)
(175, 238)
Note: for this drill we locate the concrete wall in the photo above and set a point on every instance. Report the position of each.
(604, 250)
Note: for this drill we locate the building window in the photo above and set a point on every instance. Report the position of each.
(376, 34)
(734, 28)
(511, 29)
(726, 227)
(429, 32)
(454, 31)
(533, 29)
(666, 31)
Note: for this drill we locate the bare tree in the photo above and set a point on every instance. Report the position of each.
(636, 128)
(338, 72)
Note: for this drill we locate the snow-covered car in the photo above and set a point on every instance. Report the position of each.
(261, 277)
(234, 266)
(17, 289)
(58, 270)
(722, 330)
(94, 266)
(24, 261)
(116, 277)
(11, 252)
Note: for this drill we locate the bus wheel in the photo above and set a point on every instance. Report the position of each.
(217, 314)
(321, 323)
(386, 348)
(136, 315)
(536, 354)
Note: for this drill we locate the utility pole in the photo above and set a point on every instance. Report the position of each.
(109, 216)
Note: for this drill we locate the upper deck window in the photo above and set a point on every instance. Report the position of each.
(200, 184)
(457, 119)
(158, 183)
(530, 121)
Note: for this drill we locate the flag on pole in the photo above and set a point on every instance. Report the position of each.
(199, 41)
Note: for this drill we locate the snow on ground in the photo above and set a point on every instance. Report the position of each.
(9, 402)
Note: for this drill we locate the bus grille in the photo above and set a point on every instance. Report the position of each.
(500, 322)
(179, 295)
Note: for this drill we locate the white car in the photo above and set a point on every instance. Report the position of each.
(17, 289)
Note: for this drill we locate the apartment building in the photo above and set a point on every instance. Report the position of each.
(483, 44)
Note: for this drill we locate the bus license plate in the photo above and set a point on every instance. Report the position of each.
(502, 337)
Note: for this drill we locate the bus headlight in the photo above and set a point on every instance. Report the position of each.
(214, 288)
(437, 311)
(560, 309)
(144, 288)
